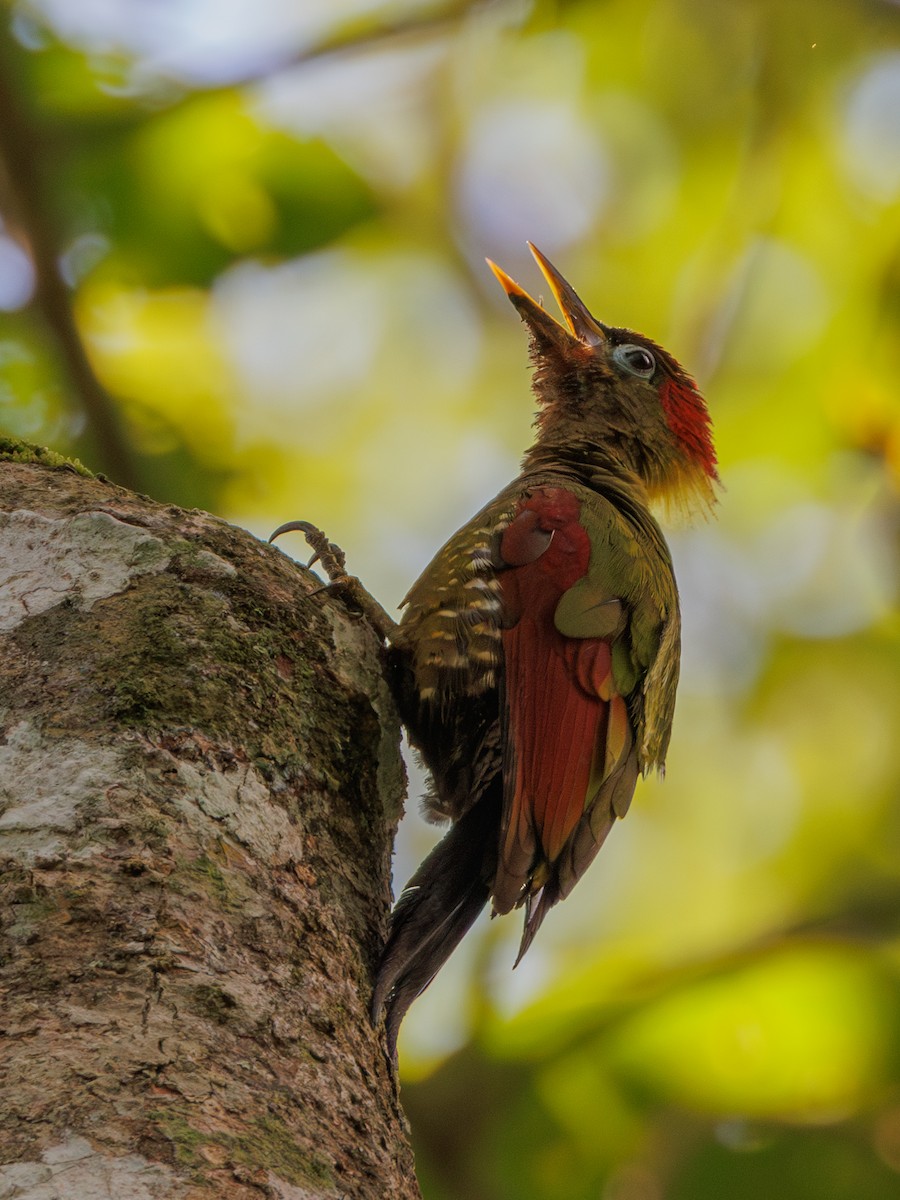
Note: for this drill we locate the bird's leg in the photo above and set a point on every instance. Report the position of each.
(334, 564)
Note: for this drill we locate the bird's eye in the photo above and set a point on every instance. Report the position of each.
(635, 359)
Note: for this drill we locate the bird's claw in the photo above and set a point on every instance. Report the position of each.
(334, 563)
(329, 554)
(340, 583)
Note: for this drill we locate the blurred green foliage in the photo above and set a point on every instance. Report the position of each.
(270, 235)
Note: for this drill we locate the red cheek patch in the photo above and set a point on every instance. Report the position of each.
(688, 419)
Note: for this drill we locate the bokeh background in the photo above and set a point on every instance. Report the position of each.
(241, 267)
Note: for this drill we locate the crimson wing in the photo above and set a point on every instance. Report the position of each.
(570, 763)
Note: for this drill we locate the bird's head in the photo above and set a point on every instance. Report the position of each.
(613, 389)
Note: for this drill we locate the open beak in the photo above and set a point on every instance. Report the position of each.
(581, 324)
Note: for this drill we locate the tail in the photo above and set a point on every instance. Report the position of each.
(436, 909)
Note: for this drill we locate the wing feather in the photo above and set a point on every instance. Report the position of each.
(558, 690)
(571, 684)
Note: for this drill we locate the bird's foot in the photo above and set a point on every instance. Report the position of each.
(329, 554)
(334, 563)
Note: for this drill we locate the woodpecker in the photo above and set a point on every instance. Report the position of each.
(536, 662)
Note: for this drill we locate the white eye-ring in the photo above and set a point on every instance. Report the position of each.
(637, 360)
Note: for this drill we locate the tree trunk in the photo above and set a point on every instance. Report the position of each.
(199, 783)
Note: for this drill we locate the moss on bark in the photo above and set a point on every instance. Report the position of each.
(15, 450)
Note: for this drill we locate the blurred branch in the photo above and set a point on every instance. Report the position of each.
(168, 92)
(356, 37)
(25, 200)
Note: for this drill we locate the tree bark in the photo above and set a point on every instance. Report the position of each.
(199, 783)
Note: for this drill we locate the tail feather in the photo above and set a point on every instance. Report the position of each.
(537, 905)
(436, 909)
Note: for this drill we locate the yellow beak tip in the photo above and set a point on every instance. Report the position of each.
(508, 284)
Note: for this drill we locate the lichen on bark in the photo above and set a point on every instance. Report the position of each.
(200, 782)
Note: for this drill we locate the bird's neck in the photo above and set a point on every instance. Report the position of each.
(597, 465)
(606, 471)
